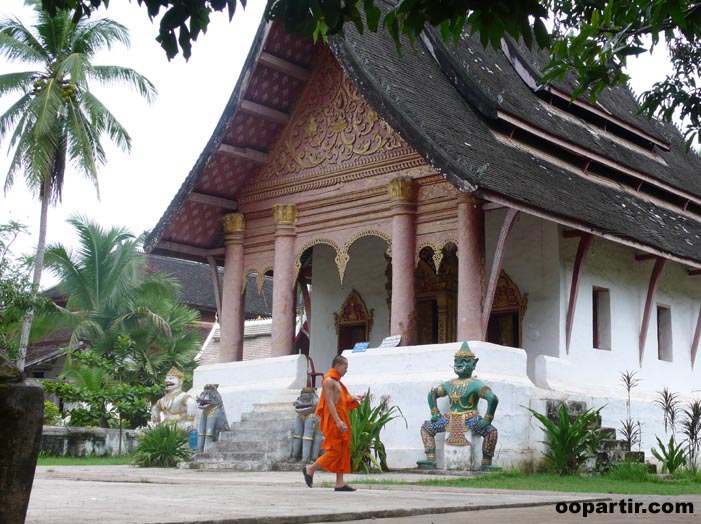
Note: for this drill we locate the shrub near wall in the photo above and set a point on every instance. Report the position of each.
(61, 441)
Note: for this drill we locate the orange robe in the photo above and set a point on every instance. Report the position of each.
(336, 458)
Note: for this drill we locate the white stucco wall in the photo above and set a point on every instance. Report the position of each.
(245, 383)
(531, 259)
(614, 267)
(365, 273)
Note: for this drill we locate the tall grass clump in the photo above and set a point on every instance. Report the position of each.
(161, 446)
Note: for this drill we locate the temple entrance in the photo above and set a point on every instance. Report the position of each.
(436, 295)
(353, 322)
(505, 321)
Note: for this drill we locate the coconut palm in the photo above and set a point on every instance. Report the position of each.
(117, 310)
(57, 120)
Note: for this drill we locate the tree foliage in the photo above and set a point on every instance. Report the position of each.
(15, 289)
(128, 328)
(594, 39)
(57, 120)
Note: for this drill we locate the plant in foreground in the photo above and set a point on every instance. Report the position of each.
(161, 446)
(367, 450)
(691, 428)
(570, 442)
(671, 456)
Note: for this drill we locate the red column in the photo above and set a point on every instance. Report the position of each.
(285, 218)
(402, 195)
(470, 267)
(231, 323)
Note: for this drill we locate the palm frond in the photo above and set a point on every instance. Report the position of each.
(18, 43)
(109, 75)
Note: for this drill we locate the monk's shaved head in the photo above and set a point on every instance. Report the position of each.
(338, 359)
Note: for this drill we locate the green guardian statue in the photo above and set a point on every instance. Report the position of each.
(464, 393)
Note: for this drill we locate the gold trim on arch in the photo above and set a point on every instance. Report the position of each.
(312, 243)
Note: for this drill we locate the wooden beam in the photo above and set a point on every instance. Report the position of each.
(651, 290)
(187, 249)
(214, 273)
(694, 272)
(244, 152)
(645, 256)
(582, 250)
(573, 233)
(507, 225)
(492, 206)
(695, 343)
(268, 113)
(214, 201)
(283, 66)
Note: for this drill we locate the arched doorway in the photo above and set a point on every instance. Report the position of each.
(506, 318)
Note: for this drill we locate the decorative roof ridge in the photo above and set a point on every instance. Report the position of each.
(215, 140)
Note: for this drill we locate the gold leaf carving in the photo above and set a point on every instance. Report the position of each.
(334, 125)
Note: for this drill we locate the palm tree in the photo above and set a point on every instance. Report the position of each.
(118, 311)
(127, 324)
(57, 120)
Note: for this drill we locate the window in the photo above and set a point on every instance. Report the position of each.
(601, 316)
(664, 333)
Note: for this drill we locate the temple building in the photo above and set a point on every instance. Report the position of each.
(441, 196)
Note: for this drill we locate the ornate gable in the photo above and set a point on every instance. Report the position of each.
(333, 128)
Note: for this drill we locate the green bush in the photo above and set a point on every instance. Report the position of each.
(570, 442)
(672, 456)
(367, 450)
(52, 415)
(161, 446)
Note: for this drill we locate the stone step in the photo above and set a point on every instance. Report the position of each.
(607, 433)
(249, 435)
(230, 456)
(239, 465)
(274, 407)
(265, 416)
(263, 426)
(610, 444)
(244, 445)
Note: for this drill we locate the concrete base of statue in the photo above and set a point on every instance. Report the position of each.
(459, 458)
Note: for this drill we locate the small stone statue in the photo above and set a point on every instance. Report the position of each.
(176, 405)
(307, 437)
(213, 419)
(464, 393)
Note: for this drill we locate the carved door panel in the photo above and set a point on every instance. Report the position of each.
(427, 322)
(508, 309)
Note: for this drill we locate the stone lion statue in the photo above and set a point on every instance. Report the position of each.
(307, 437)
(213, 419)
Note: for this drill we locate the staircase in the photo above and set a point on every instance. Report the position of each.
(611, 450)
(261, 441)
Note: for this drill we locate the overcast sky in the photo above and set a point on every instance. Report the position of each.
(167, 136)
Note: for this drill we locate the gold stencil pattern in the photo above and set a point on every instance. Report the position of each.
(334, 126)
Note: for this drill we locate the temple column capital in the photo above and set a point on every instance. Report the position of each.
(284, 216)
(401, 190)
(234, 227)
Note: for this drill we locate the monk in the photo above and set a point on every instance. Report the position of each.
(333, 408)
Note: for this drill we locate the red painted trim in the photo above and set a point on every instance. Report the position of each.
(651, 290)
(695, 343)
(509, 221)
(582, 250)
